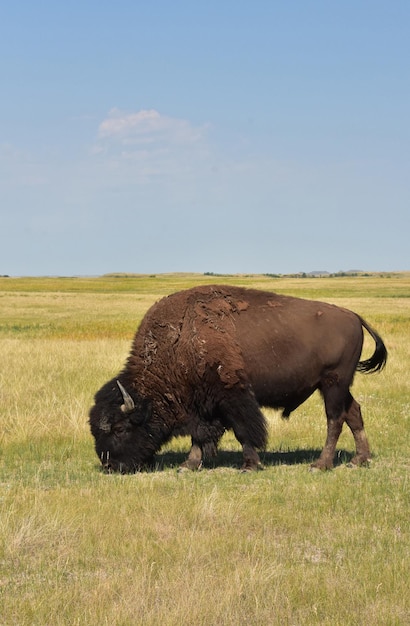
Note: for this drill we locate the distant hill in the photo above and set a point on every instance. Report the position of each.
(318, 273)
(340, 273)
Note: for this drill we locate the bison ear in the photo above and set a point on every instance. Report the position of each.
(142, 413)
(128, 405)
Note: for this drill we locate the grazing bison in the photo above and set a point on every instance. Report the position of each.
(206, 359)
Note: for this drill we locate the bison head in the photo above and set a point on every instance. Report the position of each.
(118, 423)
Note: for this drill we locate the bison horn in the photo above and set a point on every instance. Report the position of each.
(128, 405)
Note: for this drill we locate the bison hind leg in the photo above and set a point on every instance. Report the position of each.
(355, 422)
(342, 407)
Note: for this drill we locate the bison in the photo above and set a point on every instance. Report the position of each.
(206, 359)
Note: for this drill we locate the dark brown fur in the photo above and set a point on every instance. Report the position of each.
(205, 360)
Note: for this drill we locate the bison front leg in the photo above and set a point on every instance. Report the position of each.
(205, 436)
(194, 459)
(251, 460)
(243, 415)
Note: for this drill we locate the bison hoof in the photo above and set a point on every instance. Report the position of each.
(358, 462)
(251, 468)
(189, 467)
(319, 467)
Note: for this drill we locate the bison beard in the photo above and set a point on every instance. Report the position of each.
(204, 360)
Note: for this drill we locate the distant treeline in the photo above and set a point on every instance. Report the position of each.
(306, 274)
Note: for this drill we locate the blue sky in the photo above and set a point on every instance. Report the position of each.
(222, 137)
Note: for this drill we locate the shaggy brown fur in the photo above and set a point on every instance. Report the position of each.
(205, 360)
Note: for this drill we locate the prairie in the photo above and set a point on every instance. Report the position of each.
(279, 546)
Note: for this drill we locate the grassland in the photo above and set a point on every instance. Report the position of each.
(282, 546)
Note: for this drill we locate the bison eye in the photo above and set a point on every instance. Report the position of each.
(122, 428)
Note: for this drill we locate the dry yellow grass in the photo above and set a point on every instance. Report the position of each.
(282, 546)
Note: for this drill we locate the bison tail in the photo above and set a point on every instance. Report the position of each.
(378, 359)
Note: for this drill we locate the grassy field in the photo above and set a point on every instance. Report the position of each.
(217, 547)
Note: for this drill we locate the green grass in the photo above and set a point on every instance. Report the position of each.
(280, 546)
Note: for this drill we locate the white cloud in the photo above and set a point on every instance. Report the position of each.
(144, 145)
(148, 126)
